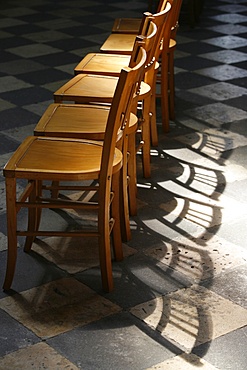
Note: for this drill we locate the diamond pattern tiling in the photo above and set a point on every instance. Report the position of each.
(192, 316)
(179, 301)
(57, 307)
(225, 56)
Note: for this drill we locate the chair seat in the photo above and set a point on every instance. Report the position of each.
(58, 159)
(97, 63)
(81, 118)
(119, 44)
(127, 25)
(85, 88)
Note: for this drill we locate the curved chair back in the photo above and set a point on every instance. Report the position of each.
(127, 90)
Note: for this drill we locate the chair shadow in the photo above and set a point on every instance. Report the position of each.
(170, 200)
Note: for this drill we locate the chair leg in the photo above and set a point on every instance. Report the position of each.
(34, 215)
(153, 119)
(119, 224)
(11, 230)
(105, 263)
(124, 198)
(132, 180)
(164, 92)
(171, 87)
(146, 135)
(105, 242)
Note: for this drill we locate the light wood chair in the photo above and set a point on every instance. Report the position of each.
(110, 63)
(131, 26)
(86, 88)
(168, 68)
(162, 73)
(93, 88)
(66, 162)
(89, 122)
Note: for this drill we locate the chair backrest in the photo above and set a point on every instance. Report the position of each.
(161, 6)
(151, 31)
(127, 89)
(160, 19)
(174, 14)
(168, 26)
(175, 20)
(146, 42)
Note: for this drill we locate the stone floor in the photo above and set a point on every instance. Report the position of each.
(180, 294)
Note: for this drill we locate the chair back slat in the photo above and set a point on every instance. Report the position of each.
(121, 106)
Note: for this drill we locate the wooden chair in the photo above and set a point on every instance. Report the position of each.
(43, 161)
(168, 68)
(131, 26)
(93, 88)
(110, 64)
(88, 121)
(85, 88)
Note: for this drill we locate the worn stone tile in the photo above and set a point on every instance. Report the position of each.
(187, 158)
(201, 179)
(190, 317)
(227, 41)
(2, 197)
(213, 142)
(4, 105)
(14, 336)
(200, 257)
(223, 72)
(3, 242)
(20, 133)
(39, 356)
(17, 12)
(115, 342)
(207, 179)
(46, 36)
(57, 307)
(19, 189)
(184, 362)
(229, 28)
(217, 114)
(227, 352)
(72, 254)
(31, 271)
(205, 211)
(11, 83)
(225, 56)
(220, 91)
(33, 50)
(231, 285)
(10, 22)
(21, 66)
(57, 23)
(232, 8)
(230, 18)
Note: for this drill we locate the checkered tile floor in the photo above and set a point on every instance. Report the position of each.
(180, 294)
